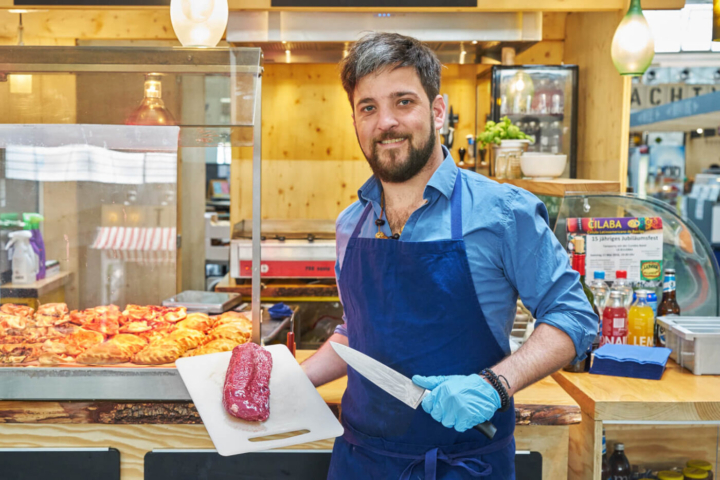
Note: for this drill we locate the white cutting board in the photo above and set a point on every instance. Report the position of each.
(294, 404)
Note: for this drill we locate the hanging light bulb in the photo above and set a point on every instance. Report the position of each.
(716, 21)
(151, 110)
(199, 23)
(633, 47)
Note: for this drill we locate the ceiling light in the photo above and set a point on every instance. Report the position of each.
(199, 23)
(633, 47)
(699, 131)
(474, 42)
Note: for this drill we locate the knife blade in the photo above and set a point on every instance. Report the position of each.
(393, 382)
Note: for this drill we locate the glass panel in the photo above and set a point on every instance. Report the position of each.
(108, 198)
(540, 102)
(684, 247)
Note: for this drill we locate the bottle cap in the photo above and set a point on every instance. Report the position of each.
(669, 271)
(669, 475)
(619, 447)
(701, 464)
(599, 274)
(621, 274)
(691, 472)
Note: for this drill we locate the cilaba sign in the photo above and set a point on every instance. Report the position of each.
(647, 96)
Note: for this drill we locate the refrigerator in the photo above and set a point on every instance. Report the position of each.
(543, 101)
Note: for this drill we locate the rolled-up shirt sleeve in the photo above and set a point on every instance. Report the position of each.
(343, 226)
(537, 265)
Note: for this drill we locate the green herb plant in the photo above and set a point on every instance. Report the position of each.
(503, 130)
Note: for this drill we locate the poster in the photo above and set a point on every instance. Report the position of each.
(631, 244)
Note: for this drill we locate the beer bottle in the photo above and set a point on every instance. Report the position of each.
(668, 305)
(606, 473)
(619, 465)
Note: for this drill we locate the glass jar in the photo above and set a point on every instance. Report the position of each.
(670, 475)
(691, 473)
(513, 171)
(702, 465)
(501, 164)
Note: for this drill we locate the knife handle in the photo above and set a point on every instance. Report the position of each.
(487, 429)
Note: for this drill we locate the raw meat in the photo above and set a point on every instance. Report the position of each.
(246, 394)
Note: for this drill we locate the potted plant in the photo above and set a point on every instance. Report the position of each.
(504, 137)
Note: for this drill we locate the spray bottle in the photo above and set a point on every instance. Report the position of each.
(32, 223)
(24, 259)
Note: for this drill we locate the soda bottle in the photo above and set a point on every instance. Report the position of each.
(668, 305)
(599, 289)
(606, 473)
(641, 321)
(615, 328)
(652, 301)
(622, 284)
(619, 465)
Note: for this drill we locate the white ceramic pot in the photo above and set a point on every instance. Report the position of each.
(542, 165)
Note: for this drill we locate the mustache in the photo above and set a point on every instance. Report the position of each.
(390, 136)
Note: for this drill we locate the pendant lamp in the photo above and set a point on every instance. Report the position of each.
(199, 23)
(633, 47)
(716, 21)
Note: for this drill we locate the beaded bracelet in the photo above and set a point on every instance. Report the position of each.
(498, 386)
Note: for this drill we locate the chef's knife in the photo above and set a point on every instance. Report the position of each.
(394, 383)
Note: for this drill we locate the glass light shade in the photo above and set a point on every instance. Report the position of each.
(199, 23)
(633, 46)
(716, 21)
(151, 110)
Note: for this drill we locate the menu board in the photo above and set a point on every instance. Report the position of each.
(634, 244)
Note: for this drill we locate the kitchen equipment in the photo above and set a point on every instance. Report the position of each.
(394, 383)
(290, 249)
(212, 303)
(542, 165)
(694, 341)
(295, 405)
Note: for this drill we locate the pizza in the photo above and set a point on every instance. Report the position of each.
(51, 314)
(17, 310)
(18, 354)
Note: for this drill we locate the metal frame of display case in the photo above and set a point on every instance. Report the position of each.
(146, 384)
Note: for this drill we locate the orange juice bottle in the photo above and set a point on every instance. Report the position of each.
(641, 322)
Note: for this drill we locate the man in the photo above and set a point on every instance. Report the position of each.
(430, 262)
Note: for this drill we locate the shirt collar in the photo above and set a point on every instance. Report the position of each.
(443, 180)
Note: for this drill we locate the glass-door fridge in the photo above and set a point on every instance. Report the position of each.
(543, 101)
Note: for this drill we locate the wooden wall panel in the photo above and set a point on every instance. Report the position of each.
(312, 164)
(551, 442)
(700, 153)
(604, 98)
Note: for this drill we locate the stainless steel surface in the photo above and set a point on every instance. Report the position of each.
(288, 228)
(57, 383)
(394, 383)
(28, 59)
(202, 301)
(257, 213)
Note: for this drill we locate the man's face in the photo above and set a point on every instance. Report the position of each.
(395, 123)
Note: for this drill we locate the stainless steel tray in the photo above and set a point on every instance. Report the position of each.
(77, 383)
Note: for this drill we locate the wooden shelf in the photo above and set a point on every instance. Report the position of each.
(38, 288)
(560, 187)
(678, 396)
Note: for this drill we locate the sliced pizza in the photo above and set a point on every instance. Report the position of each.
(17, 310)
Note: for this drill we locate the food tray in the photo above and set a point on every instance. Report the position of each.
(694, 341)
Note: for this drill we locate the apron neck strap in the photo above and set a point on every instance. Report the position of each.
(455, 211)
(456, 208)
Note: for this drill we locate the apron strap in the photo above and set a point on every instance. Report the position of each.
(360, 223)
(456, 208)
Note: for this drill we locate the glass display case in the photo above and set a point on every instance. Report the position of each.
(542, 100)
(102, 155)
(684, 248)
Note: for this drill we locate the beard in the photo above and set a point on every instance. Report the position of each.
(394, 170)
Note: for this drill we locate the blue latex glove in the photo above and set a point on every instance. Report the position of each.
(459, 401)
(279, 311)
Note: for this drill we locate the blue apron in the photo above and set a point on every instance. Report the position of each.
(413, 307)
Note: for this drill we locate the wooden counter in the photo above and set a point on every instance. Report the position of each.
(544, 414)
(662, 423)
(560, 187)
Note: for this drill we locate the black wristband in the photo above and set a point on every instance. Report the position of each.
(493, 379)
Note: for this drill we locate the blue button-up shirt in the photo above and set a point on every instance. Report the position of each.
(510, 248)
